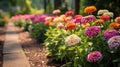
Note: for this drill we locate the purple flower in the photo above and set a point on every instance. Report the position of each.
(110, 33)
(92, 30)
(114, 42)
(94, 56)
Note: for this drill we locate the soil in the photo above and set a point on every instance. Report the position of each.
(2, 39)
(35, 52)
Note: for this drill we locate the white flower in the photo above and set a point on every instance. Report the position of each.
(101, 12)
(109, 14)
(72, 40)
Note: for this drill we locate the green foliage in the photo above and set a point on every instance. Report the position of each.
(2, 22)
(37, 31)
(71, 56)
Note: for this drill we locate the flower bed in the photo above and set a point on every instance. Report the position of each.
(81, 41)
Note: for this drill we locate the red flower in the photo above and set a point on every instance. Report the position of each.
(69, 13)
(105, 18)
(78, 16)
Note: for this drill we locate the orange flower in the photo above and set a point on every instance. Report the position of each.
(70, 26)
(115, 25)
(46, 23)
(63, 16)
(85, 25)
(98, 22)
(6, 18)
(90, 9)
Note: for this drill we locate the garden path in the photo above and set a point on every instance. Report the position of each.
(12, 50)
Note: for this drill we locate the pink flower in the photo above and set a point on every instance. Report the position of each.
(87, 19)
(94, 56)
(60, 25)
(56, 11)
(117, 19)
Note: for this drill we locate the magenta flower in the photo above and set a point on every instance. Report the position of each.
(92, 30)
(114, 42)
(94, 56)
(110, 33)
(77, 20)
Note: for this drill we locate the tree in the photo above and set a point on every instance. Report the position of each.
(45, 1)
(57, 4)
(77, 6)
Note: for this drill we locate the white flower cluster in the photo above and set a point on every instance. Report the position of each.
(109, 14)
(105, 12)
(72, 40)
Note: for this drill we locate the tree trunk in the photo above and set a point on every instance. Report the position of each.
(45, 5)
(57, 4)
(76, 6)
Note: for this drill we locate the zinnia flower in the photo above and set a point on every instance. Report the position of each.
(98, 22)
(85, 25)
(70, 26)
(110, 33)
(101, 12)
(94, 56)
(60, 25)
(87, 19)
(109, 14)
(77, 20)
(114, 42)
(56, 11)
(92, 30)
(72, 40)
(48, 19)
(58, 20)
(63, 16)
(68, 18)
(90, 9)
(105, 18)
(47, 23)
(117, 19)
(78, 16)
(115, 25)
(69, 13)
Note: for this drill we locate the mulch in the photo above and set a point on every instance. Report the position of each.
(2, 39)
(35, 52)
